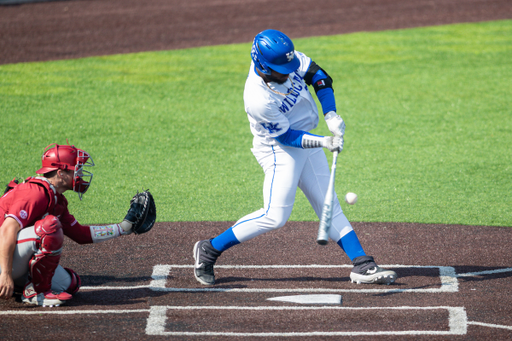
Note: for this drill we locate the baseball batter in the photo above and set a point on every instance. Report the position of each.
(281, 112)
(34, 219)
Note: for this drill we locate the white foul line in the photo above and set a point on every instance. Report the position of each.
(486, 272)
(490, 325)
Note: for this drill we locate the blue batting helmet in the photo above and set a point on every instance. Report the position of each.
(272, 49)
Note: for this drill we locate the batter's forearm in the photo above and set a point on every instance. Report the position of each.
(303, 139)
(333, 143)
(313, 141)
(291, 138)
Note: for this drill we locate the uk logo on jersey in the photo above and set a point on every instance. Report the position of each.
(271, 127)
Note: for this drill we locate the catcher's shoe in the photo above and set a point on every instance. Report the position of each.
(366, 271)
(47, 299)
(205, 256)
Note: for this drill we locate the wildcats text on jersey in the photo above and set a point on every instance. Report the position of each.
(290, 99)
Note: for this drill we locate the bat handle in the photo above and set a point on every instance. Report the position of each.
(334, 159)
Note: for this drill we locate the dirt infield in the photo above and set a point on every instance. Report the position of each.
(454, 281)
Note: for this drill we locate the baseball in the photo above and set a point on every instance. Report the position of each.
(126, 225)
(351, 198)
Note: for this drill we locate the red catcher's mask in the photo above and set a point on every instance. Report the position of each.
(68, 158)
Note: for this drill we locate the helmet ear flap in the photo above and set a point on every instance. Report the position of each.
(264, 70)
(256, 57)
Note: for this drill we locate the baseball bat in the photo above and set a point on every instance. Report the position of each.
(326, 217)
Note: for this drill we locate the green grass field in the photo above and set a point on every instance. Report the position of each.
(428, 138)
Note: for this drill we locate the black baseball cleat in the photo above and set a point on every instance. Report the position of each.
(205, 256)
(366, 271)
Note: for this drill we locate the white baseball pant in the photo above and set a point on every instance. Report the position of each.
(25, 249)
(287, 168)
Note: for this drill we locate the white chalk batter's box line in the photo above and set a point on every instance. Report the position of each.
(447, 277)
(457, 322)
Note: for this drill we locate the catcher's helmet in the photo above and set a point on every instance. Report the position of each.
(68, 158)
(272, 49)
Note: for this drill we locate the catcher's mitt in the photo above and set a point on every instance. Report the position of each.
(142, 212)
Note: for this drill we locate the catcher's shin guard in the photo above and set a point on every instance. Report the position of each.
(44, 262)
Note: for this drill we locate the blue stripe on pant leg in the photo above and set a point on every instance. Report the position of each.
(228, 239)
(273, 177)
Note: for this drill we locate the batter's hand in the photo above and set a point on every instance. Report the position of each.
(6, 286)
(334, 143)
(335, 123)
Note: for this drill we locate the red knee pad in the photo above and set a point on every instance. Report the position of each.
(45, 260)
(52, 236)
(76, 282)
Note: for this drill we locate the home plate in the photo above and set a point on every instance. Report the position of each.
(309, 299)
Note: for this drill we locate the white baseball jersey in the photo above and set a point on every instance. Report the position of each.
(273, 108)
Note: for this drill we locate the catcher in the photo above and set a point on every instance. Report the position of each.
(34, 219)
